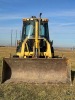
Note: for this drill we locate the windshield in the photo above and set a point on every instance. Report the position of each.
(44, 30)
(28, 29)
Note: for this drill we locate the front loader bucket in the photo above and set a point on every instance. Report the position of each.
(40, 70)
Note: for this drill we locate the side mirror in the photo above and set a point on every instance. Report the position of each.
(18, 42)
(52, 42)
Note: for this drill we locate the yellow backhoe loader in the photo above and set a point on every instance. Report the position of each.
(34, 61)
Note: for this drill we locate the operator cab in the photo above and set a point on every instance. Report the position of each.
(29, 28)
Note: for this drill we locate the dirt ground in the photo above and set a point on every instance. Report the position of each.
(24, 91)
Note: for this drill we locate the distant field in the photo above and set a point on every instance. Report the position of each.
(24, 91)
(70, 54)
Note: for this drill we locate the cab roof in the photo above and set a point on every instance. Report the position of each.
(34, 18)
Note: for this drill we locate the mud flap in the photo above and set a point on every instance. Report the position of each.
(41, 70)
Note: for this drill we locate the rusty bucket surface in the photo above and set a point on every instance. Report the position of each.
(40, 70)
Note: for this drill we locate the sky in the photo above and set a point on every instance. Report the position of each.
(61, 15)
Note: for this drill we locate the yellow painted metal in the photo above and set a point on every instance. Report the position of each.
(21, 54)
(36, 34)
(48, 52)
(43, 19)
(24, 54)
(24, 45)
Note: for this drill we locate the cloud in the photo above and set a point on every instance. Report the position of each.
(8, 17)
(67, 24)
(68, 13)
(20, 15)
(63, 24)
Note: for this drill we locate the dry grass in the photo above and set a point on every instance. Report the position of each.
(68, 54)
(24, 91)
(7, 51)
